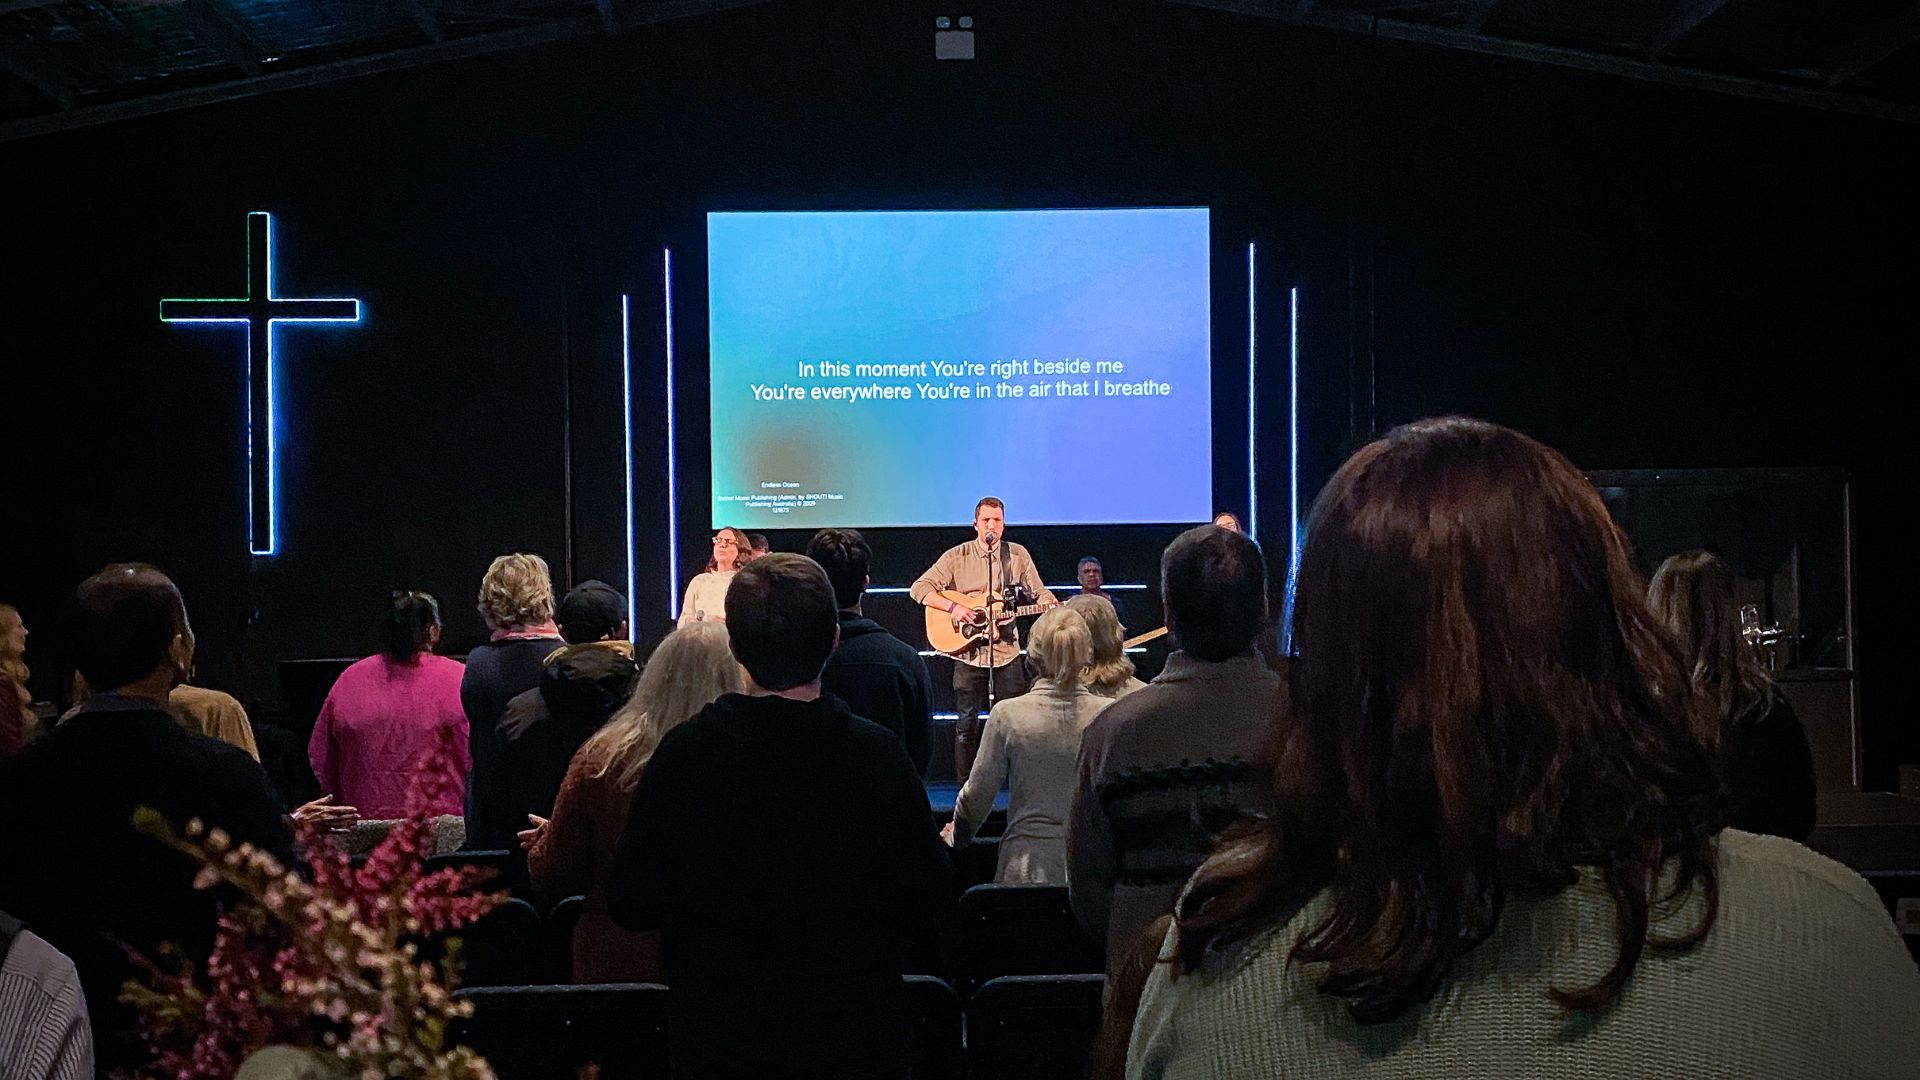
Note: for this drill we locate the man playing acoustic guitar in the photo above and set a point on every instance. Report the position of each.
(957, 585)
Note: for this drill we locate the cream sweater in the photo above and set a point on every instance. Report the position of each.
(1802, 976)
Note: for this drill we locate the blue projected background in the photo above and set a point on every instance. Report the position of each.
(889, 368)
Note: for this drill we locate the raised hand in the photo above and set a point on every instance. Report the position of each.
(532, 836)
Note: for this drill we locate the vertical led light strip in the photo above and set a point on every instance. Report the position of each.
(626, 415)
(1253, 354)
(1293, 470)
(1293, 430)
(673, 470)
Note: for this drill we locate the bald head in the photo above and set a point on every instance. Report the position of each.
(131, 624)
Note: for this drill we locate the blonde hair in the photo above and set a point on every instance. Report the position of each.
(1110, 668)
(517, 591)
(690, 669)
(13, 666)
(1061, 646)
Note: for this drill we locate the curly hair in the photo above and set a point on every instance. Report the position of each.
(517, 591)
(13, 666)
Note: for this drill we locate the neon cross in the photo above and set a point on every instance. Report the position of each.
(259, 310)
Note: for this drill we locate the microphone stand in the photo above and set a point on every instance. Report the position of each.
(993, 629)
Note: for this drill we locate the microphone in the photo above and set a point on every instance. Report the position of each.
(992, 538)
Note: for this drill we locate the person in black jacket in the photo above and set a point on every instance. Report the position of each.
(880, 677)
(516, 599)
(1764, 755)
(72, 865)
(581, 687)
(783, 848)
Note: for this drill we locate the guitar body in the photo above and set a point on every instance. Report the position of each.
(941, 634)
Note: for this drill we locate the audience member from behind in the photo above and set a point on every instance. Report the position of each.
(1494, 837)
(72, 866)
(573, 854)
(880, 677)
(215, 714)
(17, 722)
(1030, 744)
(43, 1012)
(1164, 771)
(706, 597)
(1764, 753)
(784, 941)
(387, 714)
(1110, 675)
(582, 685)
(516, 599)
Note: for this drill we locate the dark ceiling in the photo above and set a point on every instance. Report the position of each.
(69, 63)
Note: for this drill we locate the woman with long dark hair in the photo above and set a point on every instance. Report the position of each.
(385, 715)
(1763, 748)
(1496, 845)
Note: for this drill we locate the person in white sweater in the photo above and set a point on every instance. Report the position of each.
(706, 599)
(1497, 846)
(1033, 741)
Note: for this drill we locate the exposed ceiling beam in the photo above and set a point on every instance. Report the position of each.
(217, 31)
(1383, 26)
(1677, 22)
(38, 74)
(10, 6)
(1477, 18)
(1898, 28)
(292, 78)
(425, 19)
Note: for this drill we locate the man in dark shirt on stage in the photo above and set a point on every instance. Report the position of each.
(72, 865)
(988, 560)
(784, 849)
(880, 677)
(1093, 582)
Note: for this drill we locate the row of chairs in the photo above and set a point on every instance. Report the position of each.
(1016, 1027)
(998, 930)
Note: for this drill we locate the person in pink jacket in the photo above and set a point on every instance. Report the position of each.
(384, 717)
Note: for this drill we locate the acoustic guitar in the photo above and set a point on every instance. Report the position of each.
(1142, 639)
(945, 637)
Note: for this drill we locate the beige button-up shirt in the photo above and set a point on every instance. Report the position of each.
(964, 568)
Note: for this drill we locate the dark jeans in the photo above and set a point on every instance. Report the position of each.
(970, 701)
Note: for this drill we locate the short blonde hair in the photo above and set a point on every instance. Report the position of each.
(1060, 646)
(517, 591)
(1110, 668)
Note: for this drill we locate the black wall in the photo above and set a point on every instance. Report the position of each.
(1640, 275)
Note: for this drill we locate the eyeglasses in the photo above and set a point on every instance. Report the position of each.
(725, 541)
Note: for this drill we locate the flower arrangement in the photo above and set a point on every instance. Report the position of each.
(332, 964)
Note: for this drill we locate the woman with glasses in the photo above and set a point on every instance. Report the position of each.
(706, 599)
